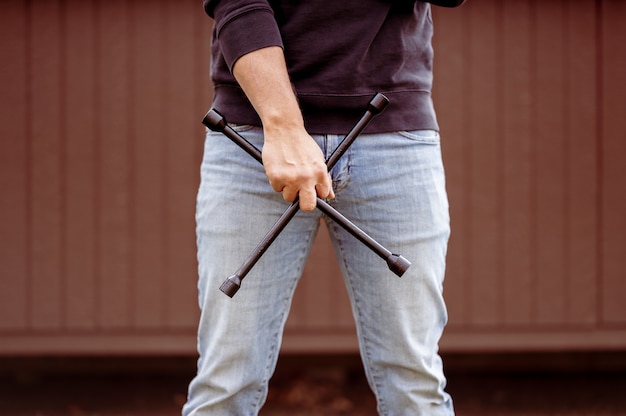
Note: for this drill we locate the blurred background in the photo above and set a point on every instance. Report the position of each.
(100, 146)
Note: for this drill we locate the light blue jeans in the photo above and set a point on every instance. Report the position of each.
(392, 186)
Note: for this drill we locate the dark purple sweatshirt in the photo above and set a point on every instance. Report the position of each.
(339, 54)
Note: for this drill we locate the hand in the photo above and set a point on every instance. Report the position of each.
(295, 166)
(293, 162)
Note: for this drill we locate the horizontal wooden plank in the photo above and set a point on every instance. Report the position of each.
(184, 343)
(103, 344)
(527, 340)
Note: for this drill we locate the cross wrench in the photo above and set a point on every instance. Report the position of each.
(396, 263)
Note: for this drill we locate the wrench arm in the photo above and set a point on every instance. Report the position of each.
(396, 263)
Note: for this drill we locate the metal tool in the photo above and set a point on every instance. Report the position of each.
(396, 263)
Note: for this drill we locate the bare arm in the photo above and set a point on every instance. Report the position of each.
(293, 162)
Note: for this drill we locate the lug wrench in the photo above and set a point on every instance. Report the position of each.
(396, 263)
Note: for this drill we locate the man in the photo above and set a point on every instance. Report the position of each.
(293, 77)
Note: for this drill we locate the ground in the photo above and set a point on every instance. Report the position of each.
(302, 386)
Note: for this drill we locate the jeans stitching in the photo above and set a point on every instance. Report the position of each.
(276, 334)
(359, 322)
(421, 136)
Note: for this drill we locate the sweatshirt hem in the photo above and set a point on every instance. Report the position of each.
(337, 113)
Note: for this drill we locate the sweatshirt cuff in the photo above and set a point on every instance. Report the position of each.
(250, 31)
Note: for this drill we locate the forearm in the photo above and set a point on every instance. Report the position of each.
(294, 163)
(263, 76)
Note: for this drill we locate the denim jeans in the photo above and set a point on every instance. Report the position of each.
(392, 186)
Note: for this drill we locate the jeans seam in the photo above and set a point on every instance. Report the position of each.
(360, 325)
(275, 335)
(419, 138)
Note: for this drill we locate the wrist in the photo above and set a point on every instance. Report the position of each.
(282, 122)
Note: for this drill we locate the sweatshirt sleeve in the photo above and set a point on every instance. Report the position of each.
(243, 26)
(446, 3)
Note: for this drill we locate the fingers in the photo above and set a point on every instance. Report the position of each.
(295, 166)
(325, 188)
(308, 199)
(307, 194)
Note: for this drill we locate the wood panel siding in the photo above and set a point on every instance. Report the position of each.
(101, 144)
(527, 94)
(100, 147)
(612, 193)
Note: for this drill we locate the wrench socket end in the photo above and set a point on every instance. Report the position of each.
(231, 286)
(214, 121)
(398, 264)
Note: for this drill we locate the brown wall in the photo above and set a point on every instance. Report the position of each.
(101, 140)
(531, 95)
(100, 144)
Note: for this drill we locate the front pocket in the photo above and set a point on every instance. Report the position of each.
(422, 136)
